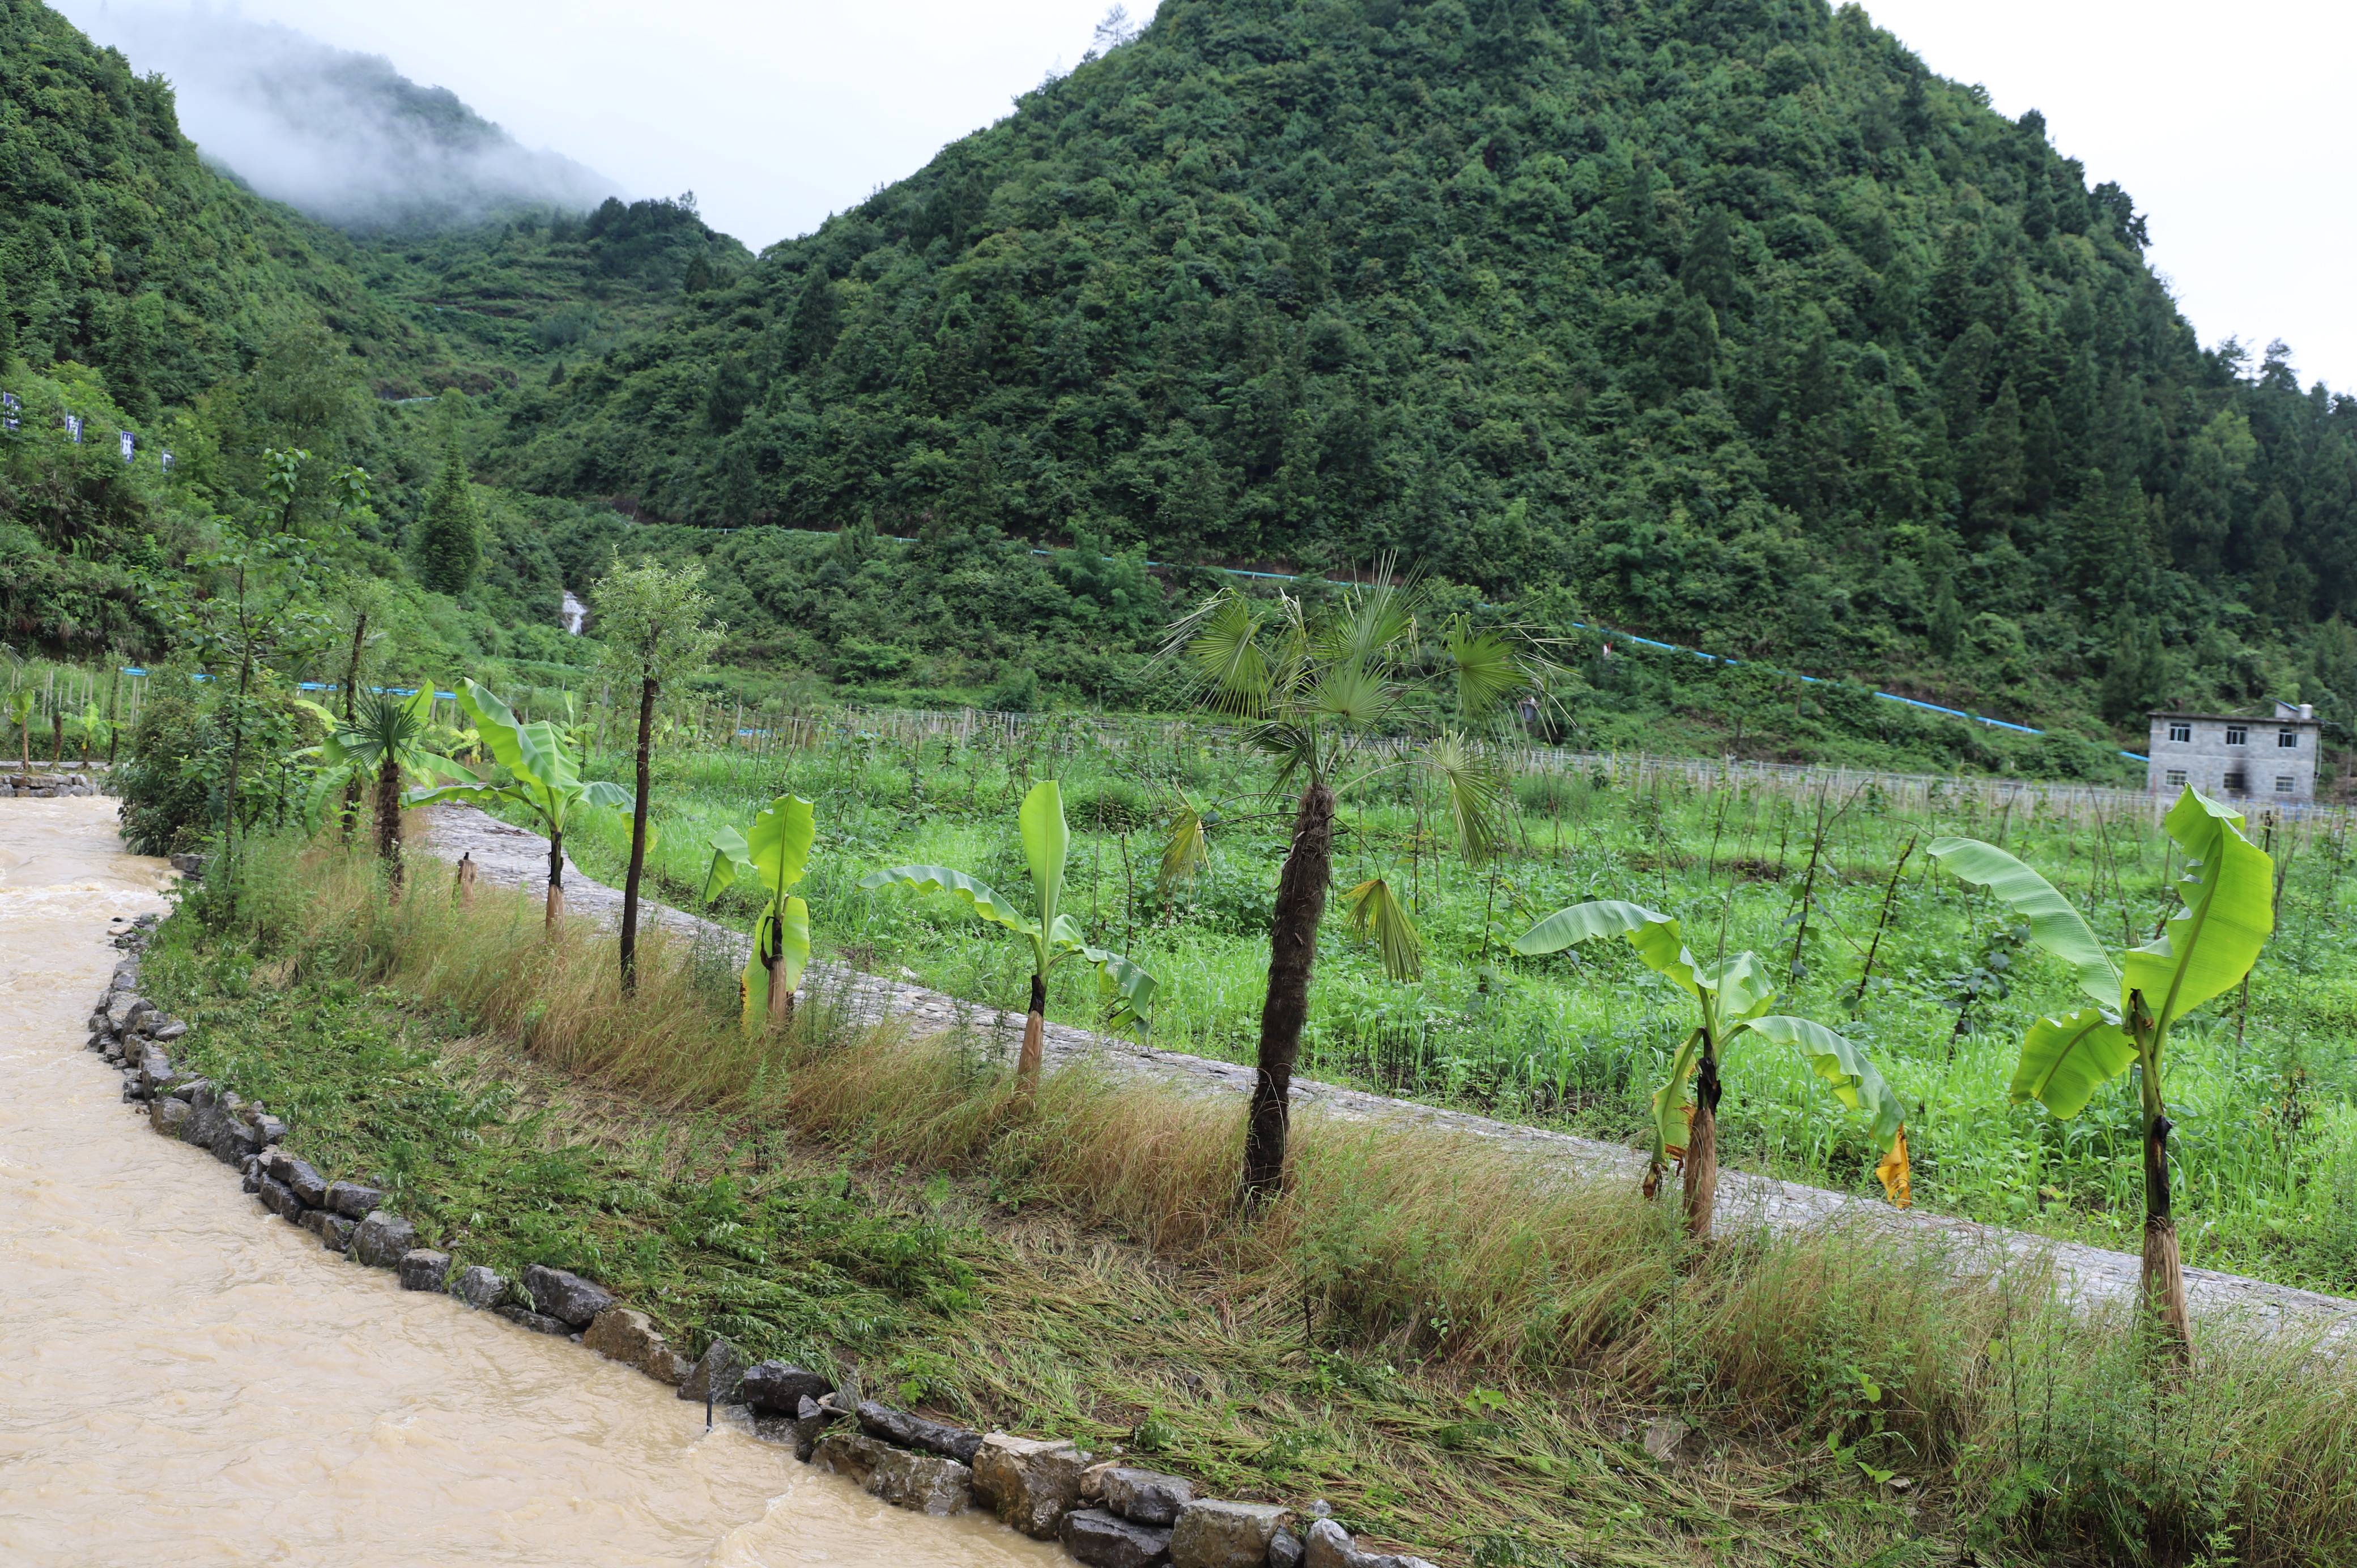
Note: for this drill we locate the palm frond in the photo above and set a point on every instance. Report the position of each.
(1188, 850)
(1376, 912)
(1489, 669)
(1219, 646)
(1479, 805)
(1351, 692)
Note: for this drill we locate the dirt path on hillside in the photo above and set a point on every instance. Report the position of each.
(511, 856)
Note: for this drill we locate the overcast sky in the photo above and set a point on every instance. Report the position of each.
(2223, 122)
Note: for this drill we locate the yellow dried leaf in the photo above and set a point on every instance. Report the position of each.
(1893, 1172)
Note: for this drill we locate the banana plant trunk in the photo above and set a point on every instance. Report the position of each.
(1035, 1036)
(1702, 1149)
(782, 994)
(2162, 1285)
(555, 914)
(388, 818)
(1291, 956)
(638, 858)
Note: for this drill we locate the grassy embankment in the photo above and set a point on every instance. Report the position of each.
(1458, 1346)
(2266, 1143)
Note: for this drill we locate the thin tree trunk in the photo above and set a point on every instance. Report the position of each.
(1702, 1150)
(1293, 953)
(388, 818)
(351, 685)
(1035, 1037)
(236, 761)
(639, 854)
(556, 880)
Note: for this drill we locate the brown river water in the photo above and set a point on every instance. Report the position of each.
(184, 1381)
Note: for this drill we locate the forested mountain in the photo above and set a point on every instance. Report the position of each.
(1722, 318)
(342, 138)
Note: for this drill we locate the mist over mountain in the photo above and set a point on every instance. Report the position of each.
(343, 137)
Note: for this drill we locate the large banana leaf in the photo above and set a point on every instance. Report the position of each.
(779, 843)
(1125, 986)
(732, 858)
(2064, 1061)
(973, 894)
(1845, 1070)
(1742, 985)
(2229, 897)
(2054, 924)
(783, 932)
(1671, 1115)
(1046, 843)
(1655, 937)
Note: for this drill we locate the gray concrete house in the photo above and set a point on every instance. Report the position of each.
(2229, 756)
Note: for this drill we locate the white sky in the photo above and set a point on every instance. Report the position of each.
(2223, 122)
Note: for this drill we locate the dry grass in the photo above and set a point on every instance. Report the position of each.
(1569, 1312)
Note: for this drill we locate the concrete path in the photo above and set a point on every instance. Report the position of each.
(511, 856)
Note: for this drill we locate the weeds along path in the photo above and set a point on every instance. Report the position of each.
(510, 856)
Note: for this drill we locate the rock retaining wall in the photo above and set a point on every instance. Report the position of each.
(1106, 1512)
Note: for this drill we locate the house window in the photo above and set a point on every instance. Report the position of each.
(2176, 778)
(2181, 735)
(2283, 783)
(2236, 735)
(2236, 784)
(2287, 740)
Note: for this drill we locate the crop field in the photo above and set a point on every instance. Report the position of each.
(1830, 883)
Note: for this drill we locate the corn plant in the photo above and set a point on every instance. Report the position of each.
(1731, 997)
(542, 778)
(772, 851)
(2226, 914)
(1126, 988)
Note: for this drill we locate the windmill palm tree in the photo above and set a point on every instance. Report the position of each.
(385, 738)
(1339, 699)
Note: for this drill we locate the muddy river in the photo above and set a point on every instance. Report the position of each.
(185, 1381)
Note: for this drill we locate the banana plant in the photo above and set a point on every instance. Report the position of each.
(92, 728)
(1732, 997)
(542, 778)
(2227, 913)
(1127, 989)
(772, 851)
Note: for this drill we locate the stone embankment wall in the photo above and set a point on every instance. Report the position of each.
(1106, 1512)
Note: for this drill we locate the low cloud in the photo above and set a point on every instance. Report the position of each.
(343, 137)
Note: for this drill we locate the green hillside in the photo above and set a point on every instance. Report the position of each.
(1729, 322)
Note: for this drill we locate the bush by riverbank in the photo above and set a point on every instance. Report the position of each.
(1456, 1346)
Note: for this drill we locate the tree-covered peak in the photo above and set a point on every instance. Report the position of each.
(1727, 321)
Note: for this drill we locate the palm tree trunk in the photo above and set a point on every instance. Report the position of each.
(388, 818)
(1292, 954)
(1702, 1151)
(1035, 1037)
(638, 854)
(555, 914)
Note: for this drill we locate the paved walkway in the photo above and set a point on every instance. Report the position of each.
(511, 856)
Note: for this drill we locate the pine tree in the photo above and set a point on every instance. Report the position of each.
(450, 540)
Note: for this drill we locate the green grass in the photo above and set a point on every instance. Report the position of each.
(1461, 1345)
(2267, 1142)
